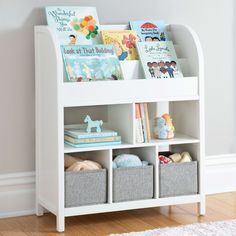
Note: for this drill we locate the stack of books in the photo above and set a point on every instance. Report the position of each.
(143, 133)
(79, 138)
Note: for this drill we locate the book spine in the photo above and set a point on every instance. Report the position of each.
(138, 124)
(143, 123)
(90, 135)
(84, 145)
(147, 122)
(91, 140)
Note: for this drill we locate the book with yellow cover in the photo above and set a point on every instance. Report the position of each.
(124, 42)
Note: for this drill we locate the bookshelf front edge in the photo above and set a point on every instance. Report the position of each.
(49, 124)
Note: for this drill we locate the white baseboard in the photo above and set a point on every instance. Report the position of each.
(17, 194)
(220, 173)
(17, 190)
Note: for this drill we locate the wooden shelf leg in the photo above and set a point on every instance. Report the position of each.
(60, 223)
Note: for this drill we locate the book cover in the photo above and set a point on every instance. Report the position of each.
(84, 145)
(159, 60)
(74, 25)
(152, 30)
(91, 140)
(124, 42)
(147, 122)
(91, 63)
(80, 133)
(138, 124)
(145, 136)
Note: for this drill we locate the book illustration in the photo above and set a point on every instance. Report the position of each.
(80, 132)
(124, 42)
(84, 145)
(91, 63)
(91, 140)
(159, 60)
(74, 25)
(149, 30)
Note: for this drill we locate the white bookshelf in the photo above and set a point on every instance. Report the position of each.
(59, 103)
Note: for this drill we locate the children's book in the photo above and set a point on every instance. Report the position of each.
(150, 30)
(138, 124)
(124, 42)
(147, 122)
(80, 133)
(144, 124)
(84, 145)
(74, 25)
(91, 63)
(159, 60)
(91, 140)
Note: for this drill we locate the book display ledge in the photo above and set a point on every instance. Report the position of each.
(60, 103)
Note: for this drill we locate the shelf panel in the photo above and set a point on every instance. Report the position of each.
(70, 149)
(120, 206)
(178, 139)
(130, 91)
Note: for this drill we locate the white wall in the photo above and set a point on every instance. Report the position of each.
(212, 19)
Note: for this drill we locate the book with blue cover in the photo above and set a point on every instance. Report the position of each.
(91, 63)
(74, 25)
(84, 145)
(91, 140)
(154, 30)
(81, 133)
(159, 60)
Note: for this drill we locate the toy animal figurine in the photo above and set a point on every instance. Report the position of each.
(93, 124)
(164, 128)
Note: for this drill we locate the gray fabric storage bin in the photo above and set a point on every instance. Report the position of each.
(133, 183)
(85, 187)
(178, 179)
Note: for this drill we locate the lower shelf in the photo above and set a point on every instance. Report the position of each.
(121, 206)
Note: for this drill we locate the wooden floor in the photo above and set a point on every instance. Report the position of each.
(219, 207)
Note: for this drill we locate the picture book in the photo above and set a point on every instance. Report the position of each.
(80, 133)
(147, 121)
(91, 63)
(91, 140)
(74, 25)
(159, 60)
(149, 30)
(138, 124)
(144, 124)
(124, 42)
(84, 145)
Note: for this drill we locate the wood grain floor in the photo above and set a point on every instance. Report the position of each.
(219, 207)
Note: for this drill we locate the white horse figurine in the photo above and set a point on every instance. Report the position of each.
(93, 124)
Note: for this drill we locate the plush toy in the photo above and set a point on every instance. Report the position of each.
(128, 160)
(77, 164)
(164, 128)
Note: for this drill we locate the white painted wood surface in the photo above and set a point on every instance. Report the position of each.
(183, 97)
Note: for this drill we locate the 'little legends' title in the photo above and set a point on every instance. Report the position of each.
(89, 51)
(156, 49)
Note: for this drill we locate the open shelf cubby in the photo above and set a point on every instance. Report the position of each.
(61, 104)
